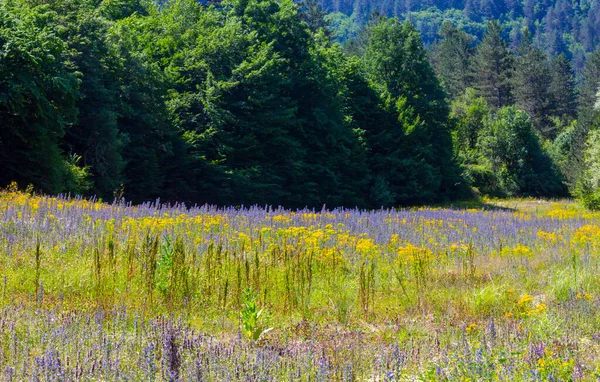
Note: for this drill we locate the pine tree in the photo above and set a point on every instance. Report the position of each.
(452, 57)
(313, 15)
(589, 87)
(493, 67)
(562, 89)
(530, 84)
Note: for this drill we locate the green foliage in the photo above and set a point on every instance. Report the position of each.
(251, 103)
(567, 151)
(413, 154)
(77, 179)
(493, 66)
(38, 91)
(501, 153)
(490, 300)
(562, 89)
(590, 198)
(588, 187)
(513, 151)
(452, 57)
(470, 111)
(95, 136)
(558, 27)
(530, 83)
(343, 27)
(252, 317)
(121, 9)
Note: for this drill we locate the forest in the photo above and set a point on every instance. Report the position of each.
(270, 102)
(557, 26)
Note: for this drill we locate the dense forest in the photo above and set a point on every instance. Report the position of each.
(272, 102)
(570, 27)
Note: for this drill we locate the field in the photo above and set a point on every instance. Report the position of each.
(498, 291)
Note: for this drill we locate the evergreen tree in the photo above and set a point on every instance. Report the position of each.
(452, 57)
(95, 136)
(575, 139)
(493, 67)
(313, 15)
(397, 63)
(531, 80)
(589, 86)
(153, 150)
(562, 89)
(383, 140)
(249, 102)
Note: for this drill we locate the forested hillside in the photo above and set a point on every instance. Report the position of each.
(571, 27)
(255, 102)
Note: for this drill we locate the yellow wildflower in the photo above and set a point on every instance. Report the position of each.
(524, 300)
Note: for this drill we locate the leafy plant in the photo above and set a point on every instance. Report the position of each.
(164, 265)
(252, 317)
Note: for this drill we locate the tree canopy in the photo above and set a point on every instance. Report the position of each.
(254, 102)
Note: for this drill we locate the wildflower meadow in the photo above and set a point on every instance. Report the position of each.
(483, 291)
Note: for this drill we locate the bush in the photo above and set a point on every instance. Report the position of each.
(515, 155)
(77, 179)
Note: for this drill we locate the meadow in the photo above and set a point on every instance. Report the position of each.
(481, 291)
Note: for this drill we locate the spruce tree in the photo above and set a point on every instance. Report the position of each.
(312, 13)
(562, 89)
(530, 84)
(493, 67)
(452, 57)
(589, 87)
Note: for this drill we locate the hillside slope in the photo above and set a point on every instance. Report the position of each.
(560, 26)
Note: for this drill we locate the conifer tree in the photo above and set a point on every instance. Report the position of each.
(530, 84)
(397, 63)
(452, 57)
(312, 13)
(589, 86)
(587, 115)
(493, 67)
(562, 89)
(95, 136)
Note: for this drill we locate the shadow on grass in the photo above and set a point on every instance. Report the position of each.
(476, 204)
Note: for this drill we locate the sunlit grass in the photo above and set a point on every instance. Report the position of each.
(488, 290)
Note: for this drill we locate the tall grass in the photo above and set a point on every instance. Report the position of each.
(436, 293)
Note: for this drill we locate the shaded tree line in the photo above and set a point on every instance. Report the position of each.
(241, 102)
(252, 102)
